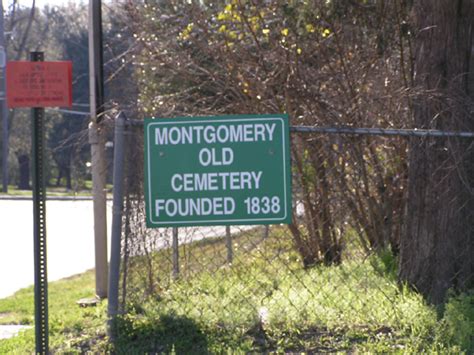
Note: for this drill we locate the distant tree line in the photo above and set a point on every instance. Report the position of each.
(62, 33)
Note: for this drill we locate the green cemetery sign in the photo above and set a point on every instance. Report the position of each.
(226, 170)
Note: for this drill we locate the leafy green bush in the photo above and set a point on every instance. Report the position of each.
(457, 325)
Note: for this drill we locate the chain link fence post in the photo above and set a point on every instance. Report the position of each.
(175, 247)
(228, 238)
(114, 269)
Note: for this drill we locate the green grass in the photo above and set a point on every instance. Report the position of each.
(14, 191)
(54, 191)
(71, 327)
(263, 302)
(355, 306)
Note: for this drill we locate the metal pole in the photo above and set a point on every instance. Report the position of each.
(266, 231)
(175, 248)
(228, 242)
(114, 270)
(39, 222)
(97, 58)
(382, 131)
(3, 103)
(96, 140)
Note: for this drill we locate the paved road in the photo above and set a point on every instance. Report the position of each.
(70, 241)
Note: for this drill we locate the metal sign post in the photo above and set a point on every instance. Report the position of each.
(227, 170)
(39, 219)
(38, 84)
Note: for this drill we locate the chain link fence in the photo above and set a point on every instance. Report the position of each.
(334, 273)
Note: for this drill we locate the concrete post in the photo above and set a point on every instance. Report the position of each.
(96, 141)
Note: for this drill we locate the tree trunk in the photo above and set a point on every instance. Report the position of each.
(24, 167)
(436, 251)
(68, 177)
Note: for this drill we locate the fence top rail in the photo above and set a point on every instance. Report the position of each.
(382, 131)
(363, 131)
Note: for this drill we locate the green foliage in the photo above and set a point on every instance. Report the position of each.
(457, 325)
(385, 263)
(163, 333)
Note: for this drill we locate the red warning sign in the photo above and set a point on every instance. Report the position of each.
(39, 84)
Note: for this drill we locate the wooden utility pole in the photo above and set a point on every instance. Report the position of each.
(97, 142)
